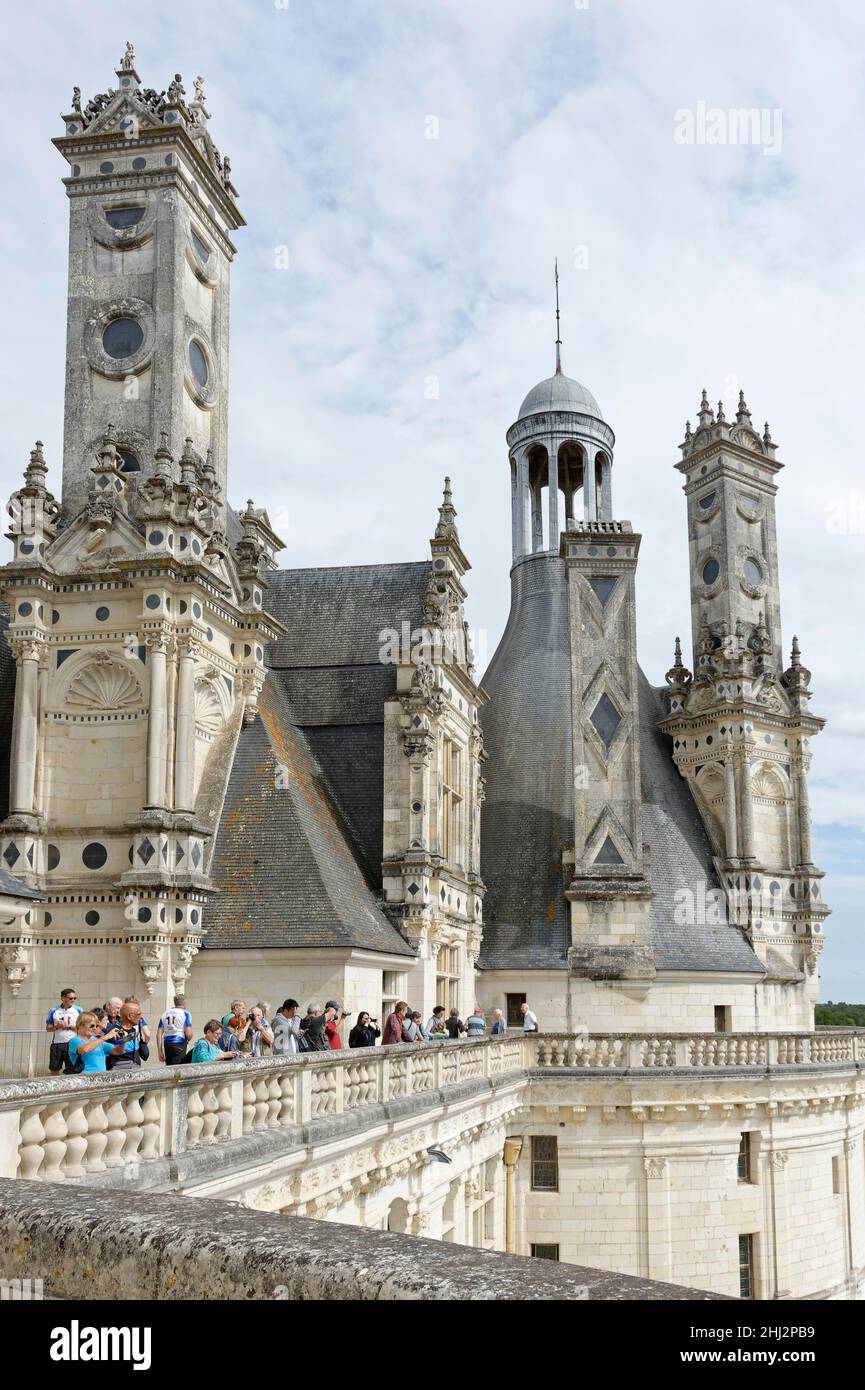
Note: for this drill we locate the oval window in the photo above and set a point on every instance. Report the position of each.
(123, 217)
(711, 570)
(128, 462)
(753, 573)
(707, 501)
(122, 338)
(200, 249)
(198, 364)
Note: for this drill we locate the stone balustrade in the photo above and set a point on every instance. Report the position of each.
(82, 1127)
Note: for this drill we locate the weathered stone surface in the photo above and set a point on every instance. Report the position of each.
(121, 1246)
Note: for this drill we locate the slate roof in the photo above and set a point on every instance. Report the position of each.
(283, 860)
(527, 816)
(15, 887)
(301, 866)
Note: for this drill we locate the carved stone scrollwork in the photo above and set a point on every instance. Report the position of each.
(418, 745)
(182, 955)
(655, 1167)
(17, 963)
(777, 1159)
(151, 960)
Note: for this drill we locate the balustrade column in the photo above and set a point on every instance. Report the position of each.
(184, 754)
(25, 727)
(157, 723)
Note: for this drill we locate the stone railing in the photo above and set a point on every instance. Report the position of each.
(83, 1127)
(696, 1051)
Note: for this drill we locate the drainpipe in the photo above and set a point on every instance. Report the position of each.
(512, 1150)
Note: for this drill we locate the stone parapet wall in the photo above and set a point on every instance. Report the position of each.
(117, 1246)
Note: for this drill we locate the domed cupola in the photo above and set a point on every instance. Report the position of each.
(561, 420)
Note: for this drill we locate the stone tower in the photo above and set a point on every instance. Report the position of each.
(151, 214)
(136, 603)
(741, 726)
(563, 848)
(433, 783)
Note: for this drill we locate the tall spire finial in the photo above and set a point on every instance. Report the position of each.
(558, 331)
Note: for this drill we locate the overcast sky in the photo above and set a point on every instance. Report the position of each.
(416, 309)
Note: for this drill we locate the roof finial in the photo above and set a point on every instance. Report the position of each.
(558, 332)
(446, 529)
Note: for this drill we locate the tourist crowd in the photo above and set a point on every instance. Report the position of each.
(116, 1036)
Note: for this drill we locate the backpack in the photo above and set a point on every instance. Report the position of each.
(304, 1044)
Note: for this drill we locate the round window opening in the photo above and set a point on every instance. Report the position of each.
(197, 364)
(118, 218)
(753, 573)
(201, 251)
(711, 570)
(128, 462)
(122, 338)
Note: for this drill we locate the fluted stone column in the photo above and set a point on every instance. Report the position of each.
(537, 518)
(590, 501)
(606, 490)
(25, 728)
(746, 837)
(184, 752)
(157, 722)
(730, 829)
(522, 489)
(803, 811)
(553, 485)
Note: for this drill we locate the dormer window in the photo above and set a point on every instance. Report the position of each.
(118, 218)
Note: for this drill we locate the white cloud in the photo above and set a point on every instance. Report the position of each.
(413, 257)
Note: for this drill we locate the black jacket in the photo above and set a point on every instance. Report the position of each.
(363, 1037)
(315, 1033)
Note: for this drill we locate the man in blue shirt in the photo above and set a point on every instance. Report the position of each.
(61, 1023)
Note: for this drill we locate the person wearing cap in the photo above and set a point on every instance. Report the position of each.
(316, 1028)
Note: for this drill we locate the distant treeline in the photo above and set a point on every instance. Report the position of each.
(840, 1015)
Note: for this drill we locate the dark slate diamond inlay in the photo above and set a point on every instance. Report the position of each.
(603, 586)
(11, 854)
(195, 855)
(178, 853)
(414, 888)
(608, 854)
(606, 719)
(146, 851)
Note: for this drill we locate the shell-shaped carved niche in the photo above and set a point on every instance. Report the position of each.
(769, 783)
(104, 685)
(209, 713)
